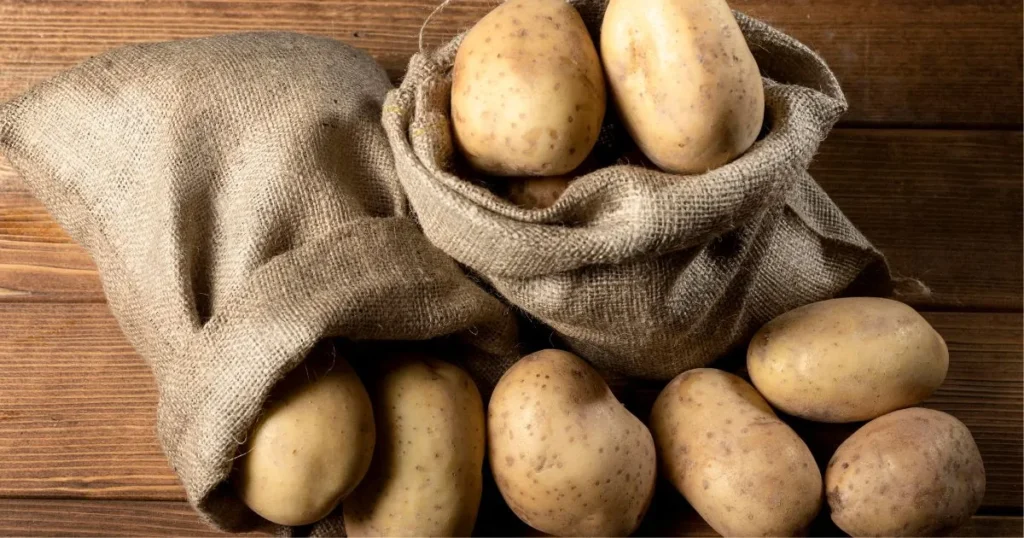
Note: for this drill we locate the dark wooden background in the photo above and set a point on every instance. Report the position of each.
(927, 163)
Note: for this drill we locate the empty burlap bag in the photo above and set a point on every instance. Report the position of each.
(239, 198)
(645, 273)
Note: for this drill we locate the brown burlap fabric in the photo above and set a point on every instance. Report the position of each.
(646, 273)
(240, 200)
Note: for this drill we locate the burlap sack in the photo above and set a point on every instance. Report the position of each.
(645, 273)
(239, 198)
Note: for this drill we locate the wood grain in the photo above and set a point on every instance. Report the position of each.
(77, 407)
(922, 62)
(669, 516)
(945, 206)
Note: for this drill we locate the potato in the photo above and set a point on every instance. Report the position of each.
(685, 83)
(537, 192)
(427, 471)
(740, 467)
(913, 472)
(528, 94)
(312, 445)
(847, 360)
(569, 459)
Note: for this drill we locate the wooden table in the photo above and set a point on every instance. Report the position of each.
(927, 163)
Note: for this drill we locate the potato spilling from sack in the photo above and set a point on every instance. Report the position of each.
(687, 87)
(740, 467)
(847, 360)
(913, 472)
(312, 446)
(427, 471)
(569, 459)
(528, 94)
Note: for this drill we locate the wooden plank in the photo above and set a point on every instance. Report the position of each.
(50, 517)
(46, 517)
(67, 434)
(900, 61)
(945, 206)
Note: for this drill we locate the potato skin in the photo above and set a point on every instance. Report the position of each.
(912, 472)
(427, 472)
(536, 192)
(568, 458)
(312, 446)
(740, 467)
(846, 360)
(528, 94)
(686, 86)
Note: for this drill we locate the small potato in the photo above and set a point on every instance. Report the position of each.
(847, 360)
(427, 471)
(685, 83)
(740, 467)
(312, 446)
(913, 472)
(569, 459)
(528, 94)
(537, 192)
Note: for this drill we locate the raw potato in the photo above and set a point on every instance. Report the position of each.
(685, 83)
(427, 473)
(569, 459)
(847, 360)
(740, 467)
(528, 94)
(537, 192)
(913, 472)
(312, 446)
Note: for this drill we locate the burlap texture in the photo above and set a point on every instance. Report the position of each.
(240, 200)
(644, 273)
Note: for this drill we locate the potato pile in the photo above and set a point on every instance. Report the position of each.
(529, 96)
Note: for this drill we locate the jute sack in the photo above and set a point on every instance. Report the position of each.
(240, 200)
(645, 273)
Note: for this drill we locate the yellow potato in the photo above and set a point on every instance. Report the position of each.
(312, 446)
(740, 467)
(569, 459)
(528, 94)
(847, 360)
(685, 83)
(427, 473)
(913, 472)
(537, 192)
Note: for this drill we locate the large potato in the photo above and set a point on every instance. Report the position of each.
(685, 83)
(312, 446)
(528, 92)
(569, 459)
(427, 471)
(913, 472)
(847, 360)
(740, 467)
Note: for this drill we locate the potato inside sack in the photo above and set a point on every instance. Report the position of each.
(684, 81)
(568, 458)
(427, 473)
(528, 94)
(312, 445)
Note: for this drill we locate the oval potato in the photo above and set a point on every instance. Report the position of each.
(568, 458)
(537, 192)
(427, 472)
(740, 467)
(312, 445)
(528, 94)
(847, 360)
(685, 83)
(913, 472)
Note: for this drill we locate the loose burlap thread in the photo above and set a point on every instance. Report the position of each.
(646, 273)
(239, 198)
